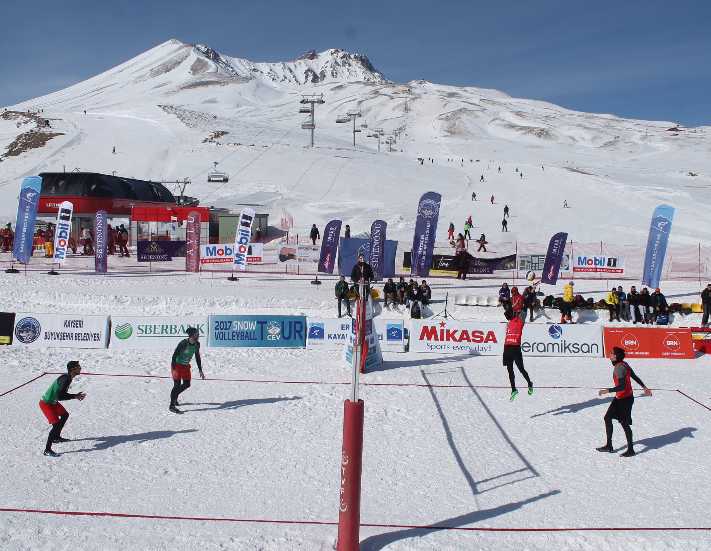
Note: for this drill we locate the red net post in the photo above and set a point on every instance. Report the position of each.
(351, 467)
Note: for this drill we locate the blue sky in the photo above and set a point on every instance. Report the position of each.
(646, 59)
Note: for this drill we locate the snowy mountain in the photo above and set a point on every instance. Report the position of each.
(173, 110)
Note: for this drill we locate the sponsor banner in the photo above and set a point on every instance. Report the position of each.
(26, 217)
(329, 246)
(256, 331)
(60, 330)
(192, 245)
(159, 251)
(562, 340)
(101, 246)
(377, 248)
(153, 331)
(62, 232)
(447, 263)
(7, 324)
(659, 231)
(536, 262)
(425, 233)
(554, 258)
(225, 254)
(457, 337)
(334, 333)
(349, 249)
(242, 237)
(583, 263)
(651, 342)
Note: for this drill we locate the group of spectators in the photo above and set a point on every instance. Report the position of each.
(637, 307)
(406, 292)
(519, 304)
(7, 238)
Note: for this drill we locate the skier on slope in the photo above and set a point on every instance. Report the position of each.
(180, 366)
(506, 211)
(54, 411)
(512, 351)
(314, 235)
(450, 232)
(492, 199)
(621, 406)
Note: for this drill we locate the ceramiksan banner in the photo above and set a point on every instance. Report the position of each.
(562, 340)
(154, 331)
(425, 233)
(102, 245)
(60, 330)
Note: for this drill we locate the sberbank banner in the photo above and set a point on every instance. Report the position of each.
(154, 331)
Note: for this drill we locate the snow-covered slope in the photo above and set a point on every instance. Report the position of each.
(173, 110)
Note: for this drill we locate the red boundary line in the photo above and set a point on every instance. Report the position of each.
(307, 382)
(23, 384)
(364, 524)
(693, 399)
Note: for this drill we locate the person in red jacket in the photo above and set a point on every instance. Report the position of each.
(517, 303)
(512, 351)
(621, 405)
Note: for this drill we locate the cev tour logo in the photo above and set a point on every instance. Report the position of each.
(273, 331)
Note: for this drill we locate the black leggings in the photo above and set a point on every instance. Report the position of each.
(56, 431)
(625, 427)
(509, 363)
(179, 385)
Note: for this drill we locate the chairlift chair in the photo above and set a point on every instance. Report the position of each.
(343, 118)
(217, 175)
(304, 110)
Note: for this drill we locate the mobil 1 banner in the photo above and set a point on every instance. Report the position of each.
(334, 332)
(257, 331)
(562, 340)
(60, 331)
(153, 331)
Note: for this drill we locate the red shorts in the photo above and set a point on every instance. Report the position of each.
(181, 371)
(52, 411)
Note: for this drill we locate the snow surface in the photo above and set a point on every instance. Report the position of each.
(261, 437)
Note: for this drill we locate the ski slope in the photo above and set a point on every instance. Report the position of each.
(159, 109)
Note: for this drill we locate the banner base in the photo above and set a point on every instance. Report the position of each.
(12, 270)
(232, 278)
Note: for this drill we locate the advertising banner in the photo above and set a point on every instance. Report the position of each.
(536, 262)
(349, 249)
(60, 330)
(153, 331)
(225, 254)
(377, 248)
(554, 258)
(102, 244)
(159, 251)
(448, 263)
(192, 245)
(659, 231)
(457, 337)
(26, 217)
(61, 235)
(650, 342)
(598, 264)
(329, 246)
(7, 324)
(562, 340)
(242, 237)
(425, 233)
(256, 331)
(333, 333)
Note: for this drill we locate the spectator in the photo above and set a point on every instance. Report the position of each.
(123, 241)
(111, 240)
(362, 272)
(7, 238)
(87, 242)
(411, 292)
(450, 232)
(424, 293)
(314, 235)
(347, 234)
(566, 305)
(505, 296)
(659, 304)
(623, 307)
(613, 303)
(390, 293)
(645, 300)
(706, 303)
(402, 290)
(461, 257)
(529, 301)
(342, 295)
(633, 298)
(517, 304)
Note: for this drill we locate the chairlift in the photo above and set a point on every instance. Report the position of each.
(304, 110)
(308, 125)
(343, 118)
(364, 125)
(217, 175)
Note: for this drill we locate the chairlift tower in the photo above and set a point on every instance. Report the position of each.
(348, 117)
(308, 102)
(375, 135)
